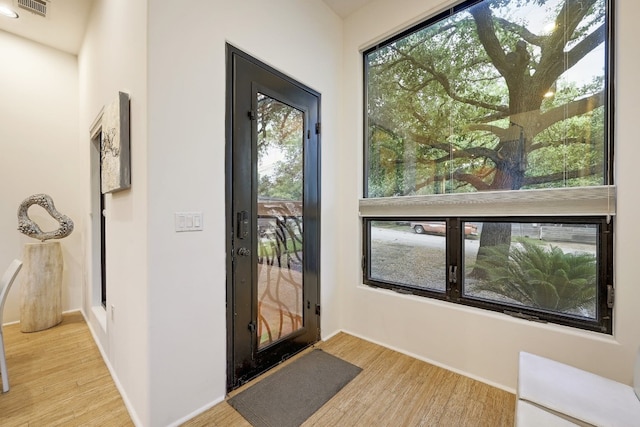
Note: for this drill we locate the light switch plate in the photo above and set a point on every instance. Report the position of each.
(188, 221)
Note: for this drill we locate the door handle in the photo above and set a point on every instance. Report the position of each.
(243, 224)
(244, 251)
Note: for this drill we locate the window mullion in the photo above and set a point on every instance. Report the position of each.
(453, 249)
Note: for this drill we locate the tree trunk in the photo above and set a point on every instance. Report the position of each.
(493, 234)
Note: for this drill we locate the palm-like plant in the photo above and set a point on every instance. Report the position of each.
(540, 277)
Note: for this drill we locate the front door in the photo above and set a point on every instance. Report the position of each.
(273, 217)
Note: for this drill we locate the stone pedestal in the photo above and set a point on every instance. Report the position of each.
(41, 286)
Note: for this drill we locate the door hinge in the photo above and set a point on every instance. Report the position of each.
(252, 115)
(252, 326)
(318, 128)
(611, 296)
(317, 309)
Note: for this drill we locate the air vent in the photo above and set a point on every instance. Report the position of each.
(38, 7)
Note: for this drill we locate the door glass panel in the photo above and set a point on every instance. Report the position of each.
(280, 131)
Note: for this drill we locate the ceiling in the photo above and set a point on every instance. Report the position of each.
(63, 27)
(65, 23)
(345, 8)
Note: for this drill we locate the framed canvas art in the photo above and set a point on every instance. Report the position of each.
(115, 158)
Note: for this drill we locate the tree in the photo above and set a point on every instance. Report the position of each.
(280, 138)
(467, 100)
(280, 150)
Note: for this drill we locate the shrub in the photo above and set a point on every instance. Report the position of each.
(540, 277)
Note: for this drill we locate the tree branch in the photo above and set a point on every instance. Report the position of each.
(541, 145)
(568, 19)
(386, 130)
(472, 180)
(555, 177)
(589, 43)
(487, 35)
(445, 83)
(501, 133)
(456, 152)
(570, 109)
(523, 32)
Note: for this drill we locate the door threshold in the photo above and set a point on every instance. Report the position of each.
(270, 371)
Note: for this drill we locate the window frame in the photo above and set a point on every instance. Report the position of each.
(454, 285)
(461, 5)
(596, 204)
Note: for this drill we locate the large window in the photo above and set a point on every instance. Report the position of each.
(488, 160)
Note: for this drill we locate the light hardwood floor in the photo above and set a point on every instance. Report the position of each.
(58, 378)
(392, 390)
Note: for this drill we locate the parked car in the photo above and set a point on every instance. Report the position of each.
(440, 228)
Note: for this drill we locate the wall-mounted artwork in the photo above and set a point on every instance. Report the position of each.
(115, 155)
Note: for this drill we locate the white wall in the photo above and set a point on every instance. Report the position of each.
(165, 341)
(114, 58)
(39, 154)
(186, 172)
(472, 341)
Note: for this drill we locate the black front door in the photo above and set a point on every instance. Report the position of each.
(273, 217)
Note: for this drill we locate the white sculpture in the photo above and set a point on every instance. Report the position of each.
(31, 229)
(41, 287)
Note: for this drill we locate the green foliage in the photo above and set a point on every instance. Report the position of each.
(539, 277)
(450, 111)
(280, 150)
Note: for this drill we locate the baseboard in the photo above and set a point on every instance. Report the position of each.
(196, 413)
(333, 334)
(75, 310)
(127, 403)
